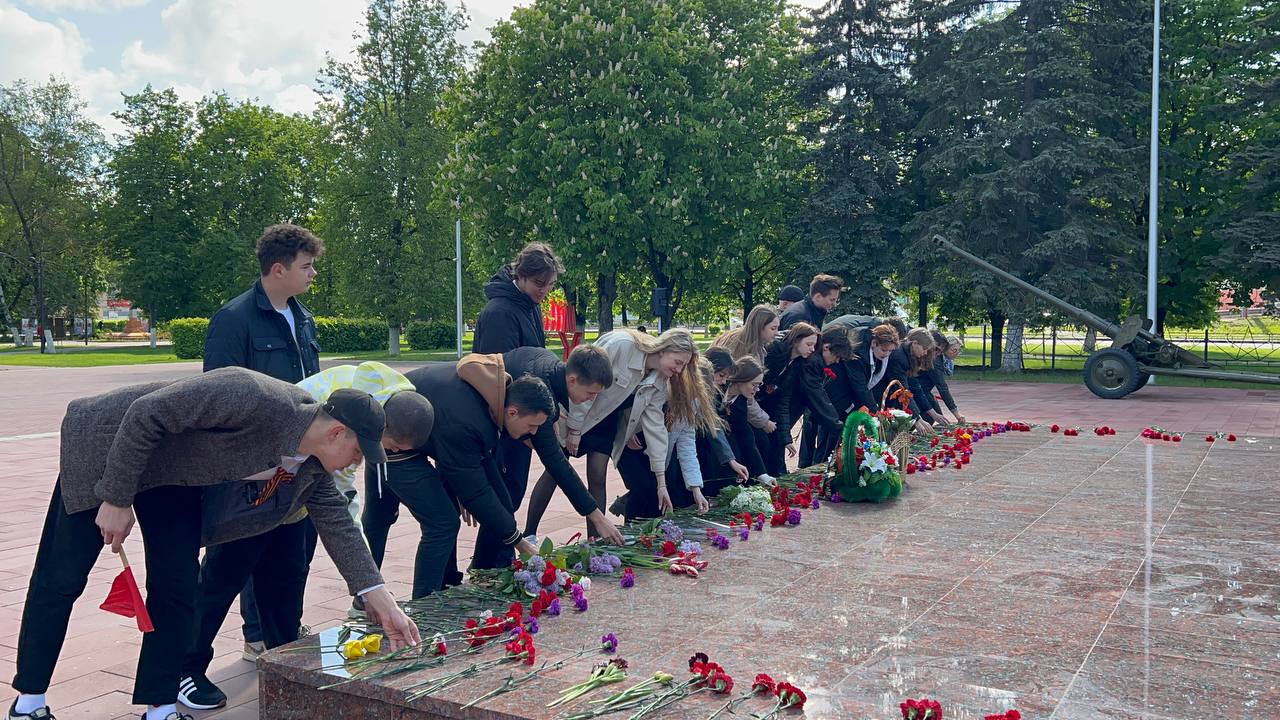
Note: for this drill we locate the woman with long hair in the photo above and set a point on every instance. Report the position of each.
(913, 357)
(648, 373)
(743, 382)
(792, 383)
(690, 415)
(758, 330)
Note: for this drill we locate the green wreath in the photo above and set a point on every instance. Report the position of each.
(887, 484)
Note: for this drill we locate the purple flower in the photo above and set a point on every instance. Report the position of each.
(554, 608)
(532, 586)
(671, 531)
(609, 643)
(744, 533)
(759, 525)
(793, 517)
(580, 602)
(835, 497)
(815, 504)
(576, 591)
(690, 546)
(532, 625)
(628, 579)
(721, 542)
(600, 565)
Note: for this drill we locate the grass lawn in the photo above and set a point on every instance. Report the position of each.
(89, 357)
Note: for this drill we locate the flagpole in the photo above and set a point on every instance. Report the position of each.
(123, 557)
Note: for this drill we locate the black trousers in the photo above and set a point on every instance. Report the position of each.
(277, 564)
(251, 623)
(809, 442)
(169, 519)
(491, 551)
(774, 450)
(415, 483)
(642, 485)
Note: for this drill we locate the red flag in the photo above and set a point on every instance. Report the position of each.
(125, 598)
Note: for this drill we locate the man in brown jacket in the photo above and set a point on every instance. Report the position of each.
(204, 460)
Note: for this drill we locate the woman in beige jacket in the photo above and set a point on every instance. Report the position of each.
(643, 367)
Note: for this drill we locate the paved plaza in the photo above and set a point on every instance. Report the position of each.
(1070, 577)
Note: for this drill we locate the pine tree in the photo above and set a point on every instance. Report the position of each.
(851, 225)
(1035, 168)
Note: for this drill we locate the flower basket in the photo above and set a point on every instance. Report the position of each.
(866, 467)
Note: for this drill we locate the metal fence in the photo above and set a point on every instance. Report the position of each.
(1064, 347)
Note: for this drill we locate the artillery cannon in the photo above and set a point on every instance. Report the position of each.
(1135, 353)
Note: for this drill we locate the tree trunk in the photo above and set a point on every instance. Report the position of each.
(1160, 315)
(748, 289)
(922, 316)
(1011, 360)
(393, 339)
(607, 290)
(997, 332)
(624, 315)
(1090, 340)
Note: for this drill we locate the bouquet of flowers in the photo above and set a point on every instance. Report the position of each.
(866, 466)
(754, 499)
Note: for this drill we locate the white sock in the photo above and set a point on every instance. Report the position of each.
(29, 703)
(160, 712)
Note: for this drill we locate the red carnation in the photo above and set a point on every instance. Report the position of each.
(764, 683)
(549, 575)
(1053, 428)
(668, 548)
(1231, 438)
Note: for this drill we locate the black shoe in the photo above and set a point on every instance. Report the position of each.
(619, 506)
(37, 714)
(197, 693)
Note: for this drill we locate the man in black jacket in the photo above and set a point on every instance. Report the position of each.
(268, 330)
(476, 404)
(512, 317)
(824, 295)
(585, 375)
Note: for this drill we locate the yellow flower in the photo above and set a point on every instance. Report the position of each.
(366, 645)
(372, 643)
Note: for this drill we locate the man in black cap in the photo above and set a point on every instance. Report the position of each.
(204, 460)
(789, 295)
(277, 566)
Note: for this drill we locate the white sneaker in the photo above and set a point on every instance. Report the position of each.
(767, 480)
(252, 650)
(533, 540)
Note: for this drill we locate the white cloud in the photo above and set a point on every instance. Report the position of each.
(34, 49)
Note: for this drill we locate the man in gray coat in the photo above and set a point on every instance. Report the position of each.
(204, 460)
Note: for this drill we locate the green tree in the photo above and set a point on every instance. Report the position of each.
(389, 247)
(1037, 166)
(48, 152)
(152, 218)
(857, 204)
(1245, 219)
(621, 131)
(252, 167)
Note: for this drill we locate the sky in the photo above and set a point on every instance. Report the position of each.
(264, 50)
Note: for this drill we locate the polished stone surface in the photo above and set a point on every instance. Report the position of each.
(1071, 578)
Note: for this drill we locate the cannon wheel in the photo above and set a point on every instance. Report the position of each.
(1112, 374)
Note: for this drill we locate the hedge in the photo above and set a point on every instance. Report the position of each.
(335, 334)
(431, 335)
(188, 337)
(342, 335)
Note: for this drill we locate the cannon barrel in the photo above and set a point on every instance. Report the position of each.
(1106, 328)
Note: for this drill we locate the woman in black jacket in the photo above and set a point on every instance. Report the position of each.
(512, 317)
(744, 380)
(912, 358)
(792, 382)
